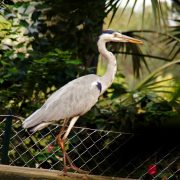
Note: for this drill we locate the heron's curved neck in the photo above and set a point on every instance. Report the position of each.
(109, 75)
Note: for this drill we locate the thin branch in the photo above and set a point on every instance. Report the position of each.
(142, 55)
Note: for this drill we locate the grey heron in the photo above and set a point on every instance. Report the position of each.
(78, 96)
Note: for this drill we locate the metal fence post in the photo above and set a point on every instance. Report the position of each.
(6, 140)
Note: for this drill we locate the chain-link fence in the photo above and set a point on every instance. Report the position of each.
(97, 151)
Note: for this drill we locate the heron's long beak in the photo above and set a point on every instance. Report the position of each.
(124, 38)
(132, 40)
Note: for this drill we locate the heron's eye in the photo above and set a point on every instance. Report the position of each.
(115, 35)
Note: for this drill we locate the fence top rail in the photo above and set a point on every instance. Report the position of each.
(33, 173)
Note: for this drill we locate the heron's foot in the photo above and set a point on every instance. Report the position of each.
(67, 159)
(75, 168)
(71, 166)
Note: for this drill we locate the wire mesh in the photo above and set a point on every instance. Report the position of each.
(98, 151)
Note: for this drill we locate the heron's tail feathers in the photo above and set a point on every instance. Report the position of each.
(38, 117)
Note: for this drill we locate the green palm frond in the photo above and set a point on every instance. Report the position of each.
(152, 76)
(173, 38)
(132, 10)
(112, 6)
(158, 14)
(154, 87)
(137, 60)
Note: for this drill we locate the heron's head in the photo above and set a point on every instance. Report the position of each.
(114, 36)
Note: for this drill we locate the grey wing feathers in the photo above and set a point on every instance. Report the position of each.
(74, 99)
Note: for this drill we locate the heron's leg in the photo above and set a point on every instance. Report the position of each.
(61, 140)
(72, 166)
(66, 158)
(71, 124)
(62, 130)
(61, 144)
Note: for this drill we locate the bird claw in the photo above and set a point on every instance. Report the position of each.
(73, 167)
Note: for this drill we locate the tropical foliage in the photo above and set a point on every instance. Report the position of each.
(45, 44)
